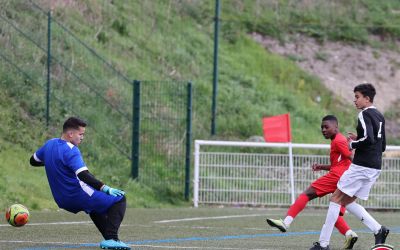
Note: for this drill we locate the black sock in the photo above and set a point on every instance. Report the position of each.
(109, 223)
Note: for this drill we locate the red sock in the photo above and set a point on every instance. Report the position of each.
(341, 225)
(298, 205)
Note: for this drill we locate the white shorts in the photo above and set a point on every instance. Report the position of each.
(358, 181)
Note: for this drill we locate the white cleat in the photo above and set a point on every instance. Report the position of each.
(278, 224)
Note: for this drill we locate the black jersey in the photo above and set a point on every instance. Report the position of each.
(371, 139)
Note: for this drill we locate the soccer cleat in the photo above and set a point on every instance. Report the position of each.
(114, 244)
(278, 224)
(350, 240)
(380, 237)
(317, 246)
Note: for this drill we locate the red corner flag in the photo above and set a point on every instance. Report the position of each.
(277, 128)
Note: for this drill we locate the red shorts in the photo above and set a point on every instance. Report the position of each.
(325, 184)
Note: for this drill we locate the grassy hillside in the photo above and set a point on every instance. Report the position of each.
(162, 40)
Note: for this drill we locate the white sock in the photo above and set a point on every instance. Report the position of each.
(349, 232)
(362, 214)
(288, 220)
(327, 228)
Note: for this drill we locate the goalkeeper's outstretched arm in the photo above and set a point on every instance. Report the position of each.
(35, 163)
(89, 179)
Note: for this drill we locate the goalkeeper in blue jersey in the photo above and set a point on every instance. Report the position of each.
(75, 189)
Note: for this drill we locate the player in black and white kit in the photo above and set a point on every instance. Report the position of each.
(357, 181)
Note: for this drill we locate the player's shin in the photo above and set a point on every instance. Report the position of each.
(297, 207)
(342, 225)
(331, 218)
(362, 214)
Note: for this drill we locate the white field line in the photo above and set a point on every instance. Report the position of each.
(192, 247)
(43, 242)
(210, 218)
(139, 245)
(228, 217)
(53, 223)
(132, 245)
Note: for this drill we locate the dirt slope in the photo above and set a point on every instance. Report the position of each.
(340, 67)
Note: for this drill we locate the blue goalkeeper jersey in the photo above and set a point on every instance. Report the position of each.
(63, 162)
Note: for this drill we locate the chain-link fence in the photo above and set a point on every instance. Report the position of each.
(163, 126)
(54, 74)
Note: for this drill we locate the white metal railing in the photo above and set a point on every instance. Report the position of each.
(269, 178)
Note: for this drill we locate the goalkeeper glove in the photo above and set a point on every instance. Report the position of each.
(112, 191)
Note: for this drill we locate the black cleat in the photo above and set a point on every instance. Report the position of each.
(317, 246)
(380, 237)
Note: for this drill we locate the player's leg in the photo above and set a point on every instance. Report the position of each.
(115, 215)
(327, 228)
(322, 186)
(327, 184)
(380, 232)
(107, 213)
(359, 211)
(109, 223)
(349, 186)
(350, 236)
(330, 221)
(298, 206)
(301, 202)
(100, 221)
(341, 225)
(338, 198)
(331, 218)
(367, 177)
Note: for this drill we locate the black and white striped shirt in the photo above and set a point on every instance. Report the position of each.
(371, 139)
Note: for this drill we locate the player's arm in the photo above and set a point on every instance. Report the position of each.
(352, 155)
(89, 179)
(35, 161)
(367, 136)
(344, 150)
(383, 139)
(76, 163)
(318, 167)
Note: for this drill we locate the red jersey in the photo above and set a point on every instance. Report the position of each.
(339, 155)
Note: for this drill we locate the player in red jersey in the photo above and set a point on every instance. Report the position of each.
(340, 158)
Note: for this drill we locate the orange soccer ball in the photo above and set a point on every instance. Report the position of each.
(17, 215)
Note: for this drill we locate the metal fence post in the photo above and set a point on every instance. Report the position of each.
(215, 69)
(135, 129)
(291, 174)
(48, 67)
(188, 139)
(196, 173)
